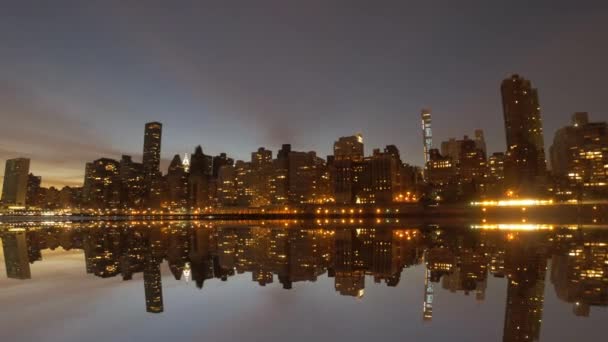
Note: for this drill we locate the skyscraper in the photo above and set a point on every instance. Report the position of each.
(523, 127)
(151, 162)
(427, 134)
(14, 191)
(152, 140)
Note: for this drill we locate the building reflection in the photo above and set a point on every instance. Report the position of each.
(457, 260)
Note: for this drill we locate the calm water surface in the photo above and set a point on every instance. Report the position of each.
(286, 281)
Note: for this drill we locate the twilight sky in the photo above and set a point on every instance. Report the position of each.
(78, 79)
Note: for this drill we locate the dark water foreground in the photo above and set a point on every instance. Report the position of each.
(334, 280)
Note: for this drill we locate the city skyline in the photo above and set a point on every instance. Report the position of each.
(72, 110)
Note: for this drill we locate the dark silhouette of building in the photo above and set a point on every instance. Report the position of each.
(34, 193)
(133, 185)
(525, 165)
(199, 178)
(14, 189)
(177, 184)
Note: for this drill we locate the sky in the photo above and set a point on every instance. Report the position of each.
(79, 79)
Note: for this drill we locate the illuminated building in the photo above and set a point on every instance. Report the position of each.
(14, 244)
(102, 186)
(440, 170)
(177, 181)
(151, 162)
(579, 273)
(303, 176)
(579, 154)
(14, 189)
(496, 166)
(226, 186)
(525, 164)
(471, 162)
(279, 179)
(385, 179)
(244, 183)
(262, 172)
(427, 134)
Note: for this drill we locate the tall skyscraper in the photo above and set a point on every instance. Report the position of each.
(151, 163)
(427, 134)
(14, 190)
(524, 132)
(152, 140)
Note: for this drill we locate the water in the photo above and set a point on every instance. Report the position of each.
(297, 281)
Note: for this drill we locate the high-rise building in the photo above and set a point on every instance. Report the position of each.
(348, 151)
(152, 144)
(580, 153)
(151, 162)
(198, 180)
(427, 134)
(523, 126)
(14, 190)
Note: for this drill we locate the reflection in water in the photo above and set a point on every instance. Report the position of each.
(457, 259)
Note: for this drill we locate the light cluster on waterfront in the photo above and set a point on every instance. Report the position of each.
(459, 171)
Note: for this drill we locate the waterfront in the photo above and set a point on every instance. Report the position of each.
(302, 281)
